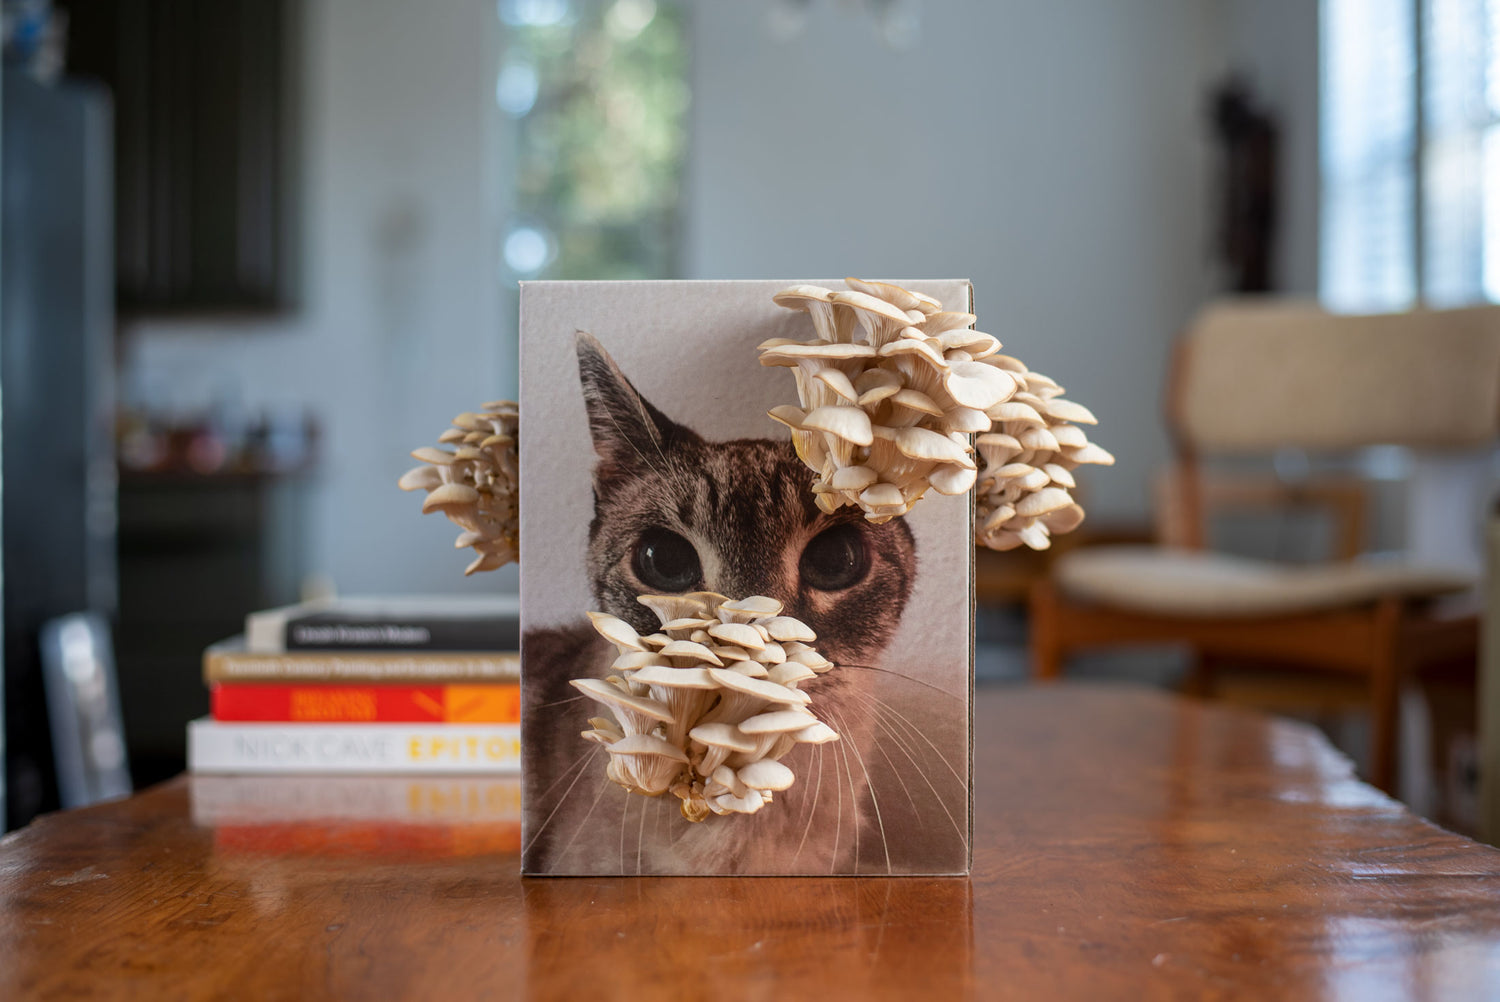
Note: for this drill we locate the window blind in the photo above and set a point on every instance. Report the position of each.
(1385, 243)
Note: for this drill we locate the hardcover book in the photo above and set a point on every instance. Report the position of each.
(404, 623)
(263, 748)
(229, 661)
(650, 467)
(320, 702)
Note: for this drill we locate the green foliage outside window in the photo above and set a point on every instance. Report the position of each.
(598, 90)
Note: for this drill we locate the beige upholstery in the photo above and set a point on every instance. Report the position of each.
(1194, 583)
(1261, 376)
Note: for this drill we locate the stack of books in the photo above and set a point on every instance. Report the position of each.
(365, 686)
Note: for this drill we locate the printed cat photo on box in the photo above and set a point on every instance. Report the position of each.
(662, 475)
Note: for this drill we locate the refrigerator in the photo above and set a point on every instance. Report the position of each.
(57, 469)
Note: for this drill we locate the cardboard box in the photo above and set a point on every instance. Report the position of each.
(682, 454)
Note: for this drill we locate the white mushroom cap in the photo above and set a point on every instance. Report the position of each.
(670, 607)
(1011, 411)
(898, 297)
(1064, 519)
(816, 734)
(754, 606)
(689, 650)
(631, 660)
(600, 690)
(1067, 410)
(767, 691)
(429, 454)
(788, 415)
(1060, 475)
(422, 478)
(923, 443)
(974, 384)
(1092, 453)
(776, 722)
(869, 305)
(848, 423)
(967, 420)
(784, 628)
(766, 775)
(674, 678)
(1069, 436)
(946, 320)
(685, 625)
(721, 735)
(448, 496)
(741, 634)
(616, 631)
(852, 478)
(789, 673)
(1043, 501)
(793, 354)
(839, 383)
(749, 666)
(952, 480)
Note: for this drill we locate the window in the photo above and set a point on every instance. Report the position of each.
(1411, 153)
(597, 94)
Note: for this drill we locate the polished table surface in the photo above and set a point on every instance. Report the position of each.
(1128, 844)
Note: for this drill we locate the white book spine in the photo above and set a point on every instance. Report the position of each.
(263, 749)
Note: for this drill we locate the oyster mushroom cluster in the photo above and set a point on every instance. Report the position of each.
(708, 706)
(1027, 462)
(891, 391)
(476, 485)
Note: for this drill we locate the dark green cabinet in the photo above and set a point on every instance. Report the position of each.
(204, 138)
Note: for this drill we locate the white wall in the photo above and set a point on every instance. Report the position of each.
(1056, 153)
(401, 326)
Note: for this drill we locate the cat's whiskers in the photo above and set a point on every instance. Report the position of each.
(840, 665)
(869, 786)
(922, 773)
(812, 803)
(891, 765)
(582, 765)
(914, 729)
(624, 813)
(559, 702)
(603, 784)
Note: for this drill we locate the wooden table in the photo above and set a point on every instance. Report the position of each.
(1128, 845)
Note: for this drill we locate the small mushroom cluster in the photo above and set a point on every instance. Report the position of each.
(892, 388)
(1027, 463)
(476, 485)
(707, 707)
(890, 393)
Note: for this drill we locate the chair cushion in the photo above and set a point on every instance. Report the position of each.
(1200, 584)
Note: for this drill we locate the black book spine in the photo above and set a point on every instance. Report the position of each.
(330, 632)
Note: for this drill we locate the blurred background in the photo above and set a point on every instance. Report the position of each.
(257, 250)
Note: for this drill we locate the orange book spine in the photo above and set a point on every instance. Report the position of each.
(387, 704)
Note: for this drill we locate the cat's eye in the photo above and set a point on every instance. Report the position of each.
(667, 562)
(836, 558)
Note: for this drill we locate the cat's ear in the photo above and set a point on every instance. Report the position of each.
(628, 432)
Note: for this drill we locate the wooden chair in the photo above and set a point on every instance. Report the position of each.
(1253, 378)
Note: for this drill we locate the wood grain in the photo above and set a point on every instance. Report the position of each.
(1129, 845)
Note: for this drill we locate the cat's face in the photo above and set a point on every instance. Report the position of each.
(674, 513)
